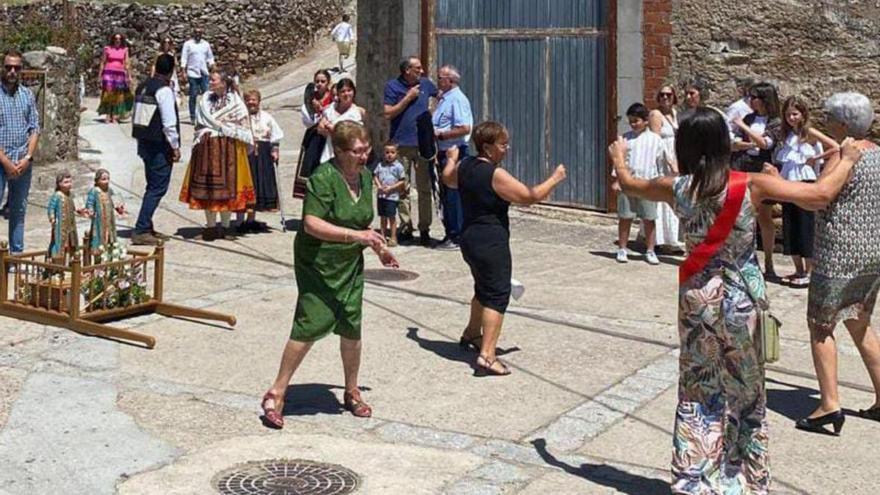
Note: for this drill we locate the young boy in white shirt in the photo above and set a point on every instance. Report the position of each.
(646, 155)
(343, 35)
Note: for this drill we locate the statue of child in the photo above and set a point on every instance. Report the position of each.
(62, 212)
(102, 210)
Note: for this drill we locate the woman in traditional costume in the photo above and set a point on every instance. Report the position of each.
(102, 210)
(329, 267)
(117, 99)
(218, 178)
(62, 217)
(263, 161)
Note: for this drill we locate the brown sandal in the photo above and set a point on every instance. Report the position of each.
(353, 402)
(271, 416)
(488, 370)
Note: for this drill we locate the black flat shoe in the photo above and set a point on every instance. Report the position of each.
(872, 413)
(470, 344)
(817, 425)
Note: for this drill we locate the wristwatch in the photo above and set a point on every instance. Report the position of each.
(28, 157)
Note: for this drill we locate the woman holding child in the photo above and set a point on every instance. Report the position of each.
(720, 436)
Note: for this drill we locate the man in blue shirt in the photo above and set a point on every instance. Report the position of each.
(406, 98)
(453, 121)
(19, 131)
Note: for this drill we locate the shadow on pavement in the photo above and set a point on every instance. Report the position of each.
(794, 404)
(450, 350)
(605, 475)
(309, 399)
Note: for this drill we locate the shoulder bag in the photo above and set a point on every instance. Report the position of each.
(766, 337)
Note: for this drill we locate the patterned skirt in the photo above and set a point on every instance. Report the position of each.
(116, 96)
(218, 177)
(835, 299)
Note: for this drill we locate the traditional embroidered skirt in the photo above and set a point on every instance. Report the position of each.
(116, 96)
(218, 177)
(263, 174)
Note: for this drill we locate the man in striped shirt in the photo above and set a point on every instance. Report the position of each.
(19, 131)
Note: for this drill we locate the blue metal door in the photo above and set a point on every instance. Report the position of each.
(538, 67)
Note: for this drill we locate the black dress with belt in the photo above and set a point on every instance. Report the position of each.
(485, 238)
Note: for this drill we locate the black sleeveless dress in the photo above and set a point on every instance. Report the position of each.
(485, 238)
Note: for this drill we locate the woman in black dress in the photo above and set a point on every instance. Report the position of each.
(486, 193)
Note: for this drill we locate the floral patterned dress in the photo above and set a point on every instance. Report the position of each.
(720, 440)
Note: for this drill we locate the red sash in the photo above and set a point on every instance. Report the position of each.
(702, 253)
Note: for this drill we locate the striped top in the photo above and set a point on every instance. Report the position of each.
(646, 154)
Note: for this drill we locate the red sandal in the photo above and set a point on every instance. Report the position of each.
(271, 417)
(354, 403)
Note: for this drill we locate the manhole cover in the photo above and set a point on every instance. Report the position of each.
(389, 275)
(286, 477)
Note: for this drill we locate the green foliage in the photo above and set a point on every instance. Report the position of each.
(35, 34)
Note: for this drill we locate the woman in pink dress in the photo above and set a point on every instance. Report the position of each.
(117, 99)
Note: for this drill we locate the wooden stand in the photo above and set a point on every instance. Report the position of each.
(50, 294)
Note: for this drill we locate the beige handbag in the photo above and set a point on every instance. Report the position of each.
(766, 336)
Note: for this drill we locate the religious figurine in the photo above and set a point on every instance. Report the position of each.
(102, 211)
(62, 212)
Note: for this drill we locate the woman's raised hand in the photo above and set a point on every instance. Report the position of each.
(387, 258)
(769, 169)
(850, 151)
(559, 174)
(370, 238)
(617, 151)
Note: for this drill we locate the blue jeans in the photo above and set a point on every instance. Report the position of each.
(19, 188)
(157, 168)
(453, 215)
(197, 86)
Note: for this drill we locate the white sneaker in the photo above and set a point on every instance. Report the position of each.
(622, 257)
(651, 258)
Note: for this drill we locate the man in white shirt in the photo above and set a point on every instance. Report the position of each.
(343, 35)
(196, 59)
(740, 108)
(158, 140)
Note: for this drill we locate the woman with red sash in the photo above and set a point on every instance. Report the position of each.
(720, 442)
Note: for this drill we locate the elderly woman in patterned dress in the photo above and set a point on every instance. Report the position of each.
(846, 272)
(720, 441)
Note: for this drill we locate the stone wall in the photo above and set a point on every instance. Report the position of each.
(250, 36)
(58, 102)
(808, 47)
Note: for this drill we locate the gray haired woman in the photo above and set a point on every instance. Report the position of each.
(847, 265)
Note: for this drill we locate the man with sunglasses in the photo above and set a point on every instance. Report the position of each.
(19, 131)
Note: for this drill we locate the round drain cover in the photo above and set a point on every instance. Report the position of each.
(389, 275)
(286, 477)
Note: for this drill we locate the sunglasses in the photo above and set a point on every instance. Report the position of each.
(666, 95)
(10, 68)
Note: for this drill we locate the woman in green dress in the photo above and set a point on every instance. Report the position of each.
(329, 267)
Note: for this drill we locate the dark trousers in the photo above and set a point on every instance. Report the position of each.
(157, 168)
(453, 215)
